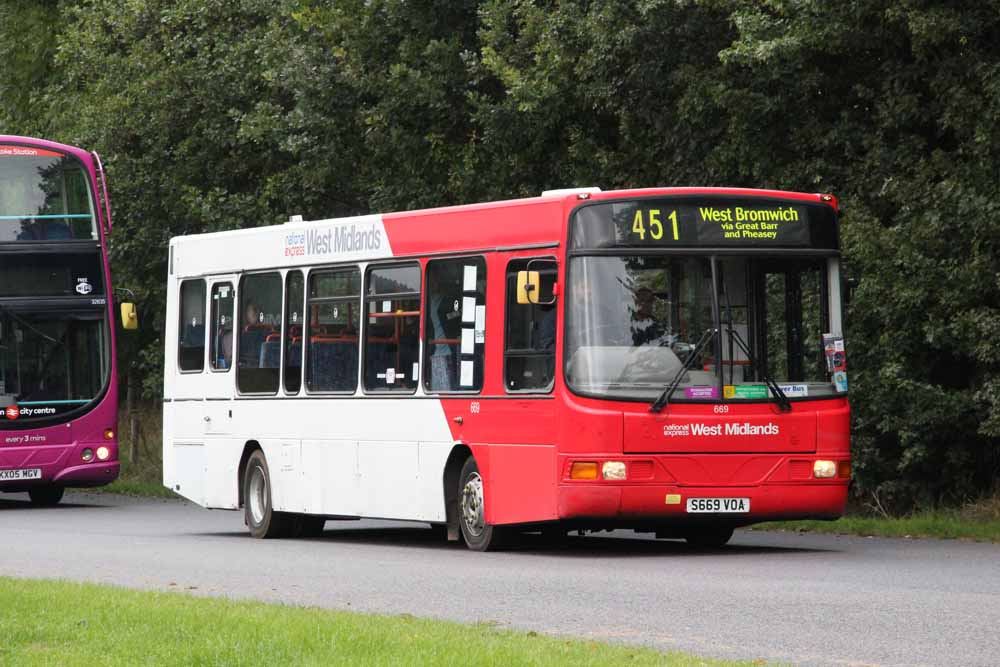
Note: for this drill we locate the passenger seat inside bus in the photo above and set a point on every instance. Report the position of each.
(251, 341)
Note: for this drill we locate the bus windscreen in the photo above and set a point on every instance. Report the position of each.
(43, 196)
(684, 222)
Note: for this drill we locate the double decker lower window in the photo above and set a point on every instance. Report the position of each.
(392, 331)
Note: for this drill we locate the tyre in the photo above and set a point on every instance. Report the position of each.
(261, 519)
(478, 535)
(710, 538)
(46, 496)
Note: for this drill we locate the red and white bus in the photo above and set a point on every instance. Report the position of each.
(58, 389)
(667, 360)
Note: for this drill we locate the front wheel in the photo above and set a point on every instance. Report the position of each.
(478, 535)
(46, 496)
(261, 519)
(710, 538)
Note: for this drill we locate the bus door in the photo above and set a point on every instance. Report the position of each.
(790, 316)
(219, 380)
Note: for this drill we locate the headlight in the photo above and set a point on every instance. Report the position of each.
(613, 470)
(824, 469)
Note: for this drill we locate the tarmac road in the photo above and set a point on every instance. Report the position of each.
(782, 597)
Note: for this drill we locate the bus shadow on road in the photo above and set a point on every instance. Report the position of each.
(14, 504)
(573, 546)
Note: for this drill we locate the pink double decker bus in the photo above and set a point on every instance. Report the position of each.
(58, 388)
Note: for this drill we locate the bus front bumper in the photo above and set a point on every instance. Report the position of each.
(668, 503)
(91, 474)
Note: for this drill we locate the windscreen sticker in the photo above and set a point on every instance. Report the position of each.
(794, 390)
(745, 391)
(83, 286)
(701, 392)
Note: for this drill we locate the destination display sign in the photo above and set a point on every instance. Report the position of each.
(716, 222)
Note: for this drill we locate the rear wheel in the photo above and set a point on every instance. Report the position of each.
(478, 535)
(261, 518)
(46, 496)
(710, 538)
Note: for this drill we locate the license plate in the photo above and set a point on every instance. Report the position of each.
(16, 475)
(718, 505)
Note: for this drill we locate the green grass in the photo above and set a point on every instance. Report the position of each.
(979, 521)
(137, 487)
(66, 624)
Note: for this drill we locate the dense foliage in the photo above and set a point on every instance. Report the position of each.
(216, 114)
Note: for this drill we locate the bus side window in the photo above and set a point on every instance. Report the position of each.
(292, 334)
(454, 346)
(259, 334)
(530, 337)
(221, 327)
(392, 333)
(332, 328)
(191, 332)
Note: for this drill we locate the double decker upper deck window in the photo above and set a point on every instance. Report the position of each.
(392, 333)
(191, 329)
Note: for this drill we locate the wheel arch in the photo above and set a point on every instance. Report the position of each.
(248, 449)
(452, 469)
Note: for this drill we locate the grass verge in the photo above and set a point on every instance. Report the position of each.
(58, 623)
(979, 521)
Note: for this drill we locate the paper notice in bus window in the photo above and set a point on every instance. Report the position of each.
(469, 279)
(387, 306)
(416, 372)
(468, 309)
(465, 378)
(480, 318)
(390, 376)
(468, 342)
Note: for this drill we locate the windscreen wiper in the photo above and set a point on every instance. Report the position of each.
(783, 403)
(664, 397)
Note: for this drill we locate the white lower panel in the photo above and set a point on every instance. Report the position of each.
(336, 457)
(190, 470)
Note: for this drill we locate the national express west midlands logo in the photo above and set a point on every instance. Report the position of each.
(746, 428)
(333, 241)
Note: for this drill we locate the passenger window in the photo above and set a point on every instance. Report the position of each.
(334, 318)
(257, 370)
(455, 324)
(221, 327)
(392, 334)
(294, 316)
(191, 332)
(530, 341)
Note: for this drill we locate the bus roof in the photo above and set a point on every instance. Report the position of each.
(530, 222)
